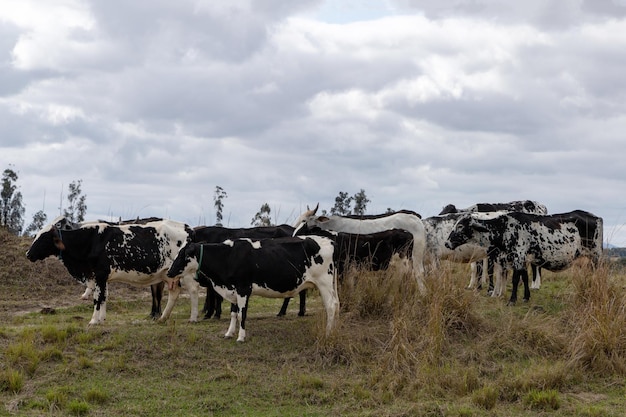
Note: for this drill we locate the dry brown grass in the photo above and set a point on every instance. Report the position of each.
(597, 321)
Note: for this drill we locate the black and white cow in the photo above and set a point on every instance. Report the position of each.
(480, 271)
(137, 254)
(218, 234)
(438, 229)
(279, 268)
(155, 289)
(403, 219)
(552, 242)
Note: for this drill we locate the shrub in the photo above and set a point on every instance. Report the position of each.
(485, 397)
(11, 380)
(543, 400)
(78, 407)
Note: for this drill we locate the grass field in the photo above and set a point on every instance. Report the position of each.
(451, 352)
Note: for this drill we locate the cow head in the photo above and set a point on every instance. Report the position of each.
(449, 209)
(465, 231)
(186, 261)
(305, 218)
(49, 240)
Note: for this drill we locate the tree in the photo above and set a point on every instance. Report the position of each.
(262, 218)
(218, 199)
(11, 207)
(360, 203)
(342, 204)
(39, 220)
(75, 212)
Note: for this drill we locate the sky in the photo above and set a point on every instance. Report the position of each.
(152, 104)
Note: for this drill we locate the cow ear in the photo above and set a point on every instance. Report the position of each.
(322, 219)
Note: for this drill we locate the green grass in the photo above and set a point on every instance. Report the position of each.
(394, 352)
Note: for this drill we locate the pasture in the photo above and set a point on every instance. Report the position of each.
(395, 352)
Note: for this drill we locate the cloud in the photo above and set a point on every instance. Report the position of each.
(421, 104)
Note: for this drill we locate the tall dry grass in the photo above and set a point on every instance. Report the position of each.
(597, 320)
(452, 340)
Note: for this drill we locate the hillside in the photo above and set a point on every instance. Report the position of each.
(45, 284)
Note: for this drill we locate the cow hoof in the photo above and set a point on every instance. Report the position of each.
(526, 300)
(241, 340)
(301, 314)
(228, 336)
(510, 303)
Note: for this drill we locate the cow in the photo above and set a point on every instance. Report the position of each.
(512, 239)
(155, 289)
(278, 267)
(479, 271)
(372, 251)
(403, 219)
(218, 234)
(138, 254)
(438, 229)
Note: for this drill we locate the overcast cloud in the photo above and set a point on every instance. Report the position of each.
(154, 103)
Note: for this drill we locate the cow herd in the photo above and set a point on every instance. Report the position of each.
(282, 261)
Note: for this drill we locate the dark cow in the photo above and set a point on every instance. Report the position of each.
(218, 234)
(552, 242)
(138, 254)
(403, 219)
(280, 268)
(372, 251)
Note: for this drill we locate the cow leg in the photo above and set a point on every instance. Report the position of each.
(489, 265)
(157, 295)
(500, 279)
(516, 277)
(417, 260)
(212, 304)
(99, 302)
(91, 284)
(536, 277)
(172, 296)
(473, 283)
(302, 310)
(524, 274)
(209, 302)
(283, 308)
(330, 299)
(242, 303)
(232, 327)
(192, 286)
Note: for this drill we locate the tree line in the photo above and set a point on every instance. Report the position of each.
(12, 207)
